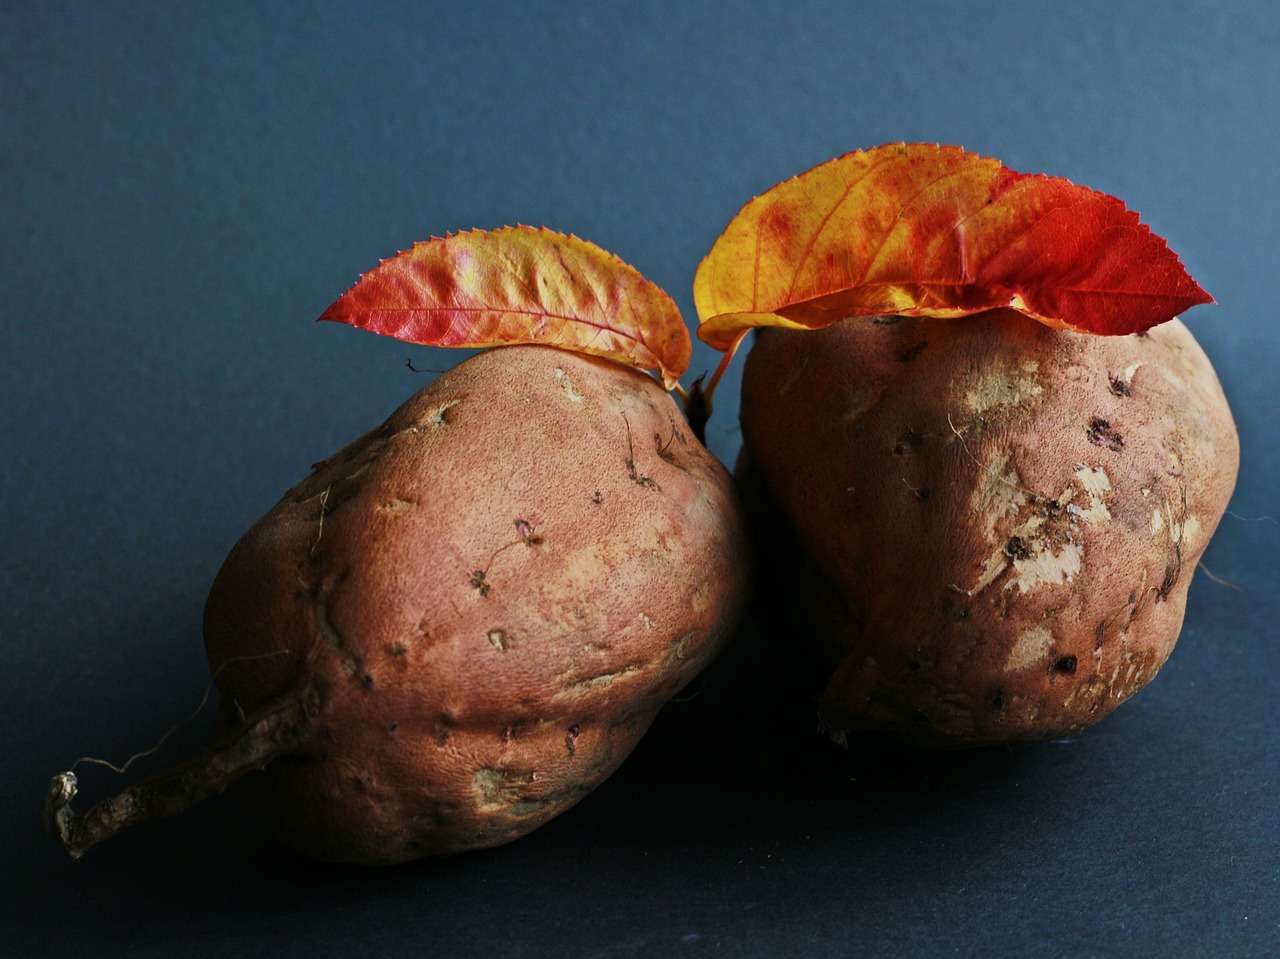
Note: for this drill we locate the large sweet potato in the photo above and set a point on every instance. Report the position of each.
(998, 521)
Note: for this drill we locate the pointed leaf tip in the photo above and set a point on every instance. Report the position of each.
(930, 230)
(484, 288)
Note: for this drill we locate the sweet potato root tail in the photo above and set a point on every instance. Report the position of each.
(277, 729)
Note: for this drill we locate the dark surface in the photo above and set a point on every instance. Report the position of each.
(184, 191)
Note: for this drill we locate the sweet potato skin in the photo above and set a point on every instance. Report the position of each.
(1000, 520)
(513, 573)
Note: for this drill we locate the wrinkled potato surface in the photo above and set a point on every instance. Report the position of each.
(512, 575)
(988, 525)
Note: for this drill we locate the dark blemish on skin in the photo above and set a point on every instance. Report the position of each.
(1101, 434)
(528, 533)
(570, 738)
(399, 649)
(597, 498)
(664, 447)
(1066, 665)
(911, 352)
(1118, 386)
(1017, 548)
(997, 699)
(443, 725)
(908, 442)
(1099, 635)
(1174, 568)
(888, 320)
(921, 494)
(633, 471)
(367, 681)
(392, 726)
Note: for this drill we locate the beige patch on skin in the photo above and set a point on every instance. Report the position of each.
(701, 599)
(1190, 530)
(1045, 568)
(1041, 567)
(490, 787)
(1033, 647)
(1126, 376)
(567, 384)
(994, 566)
(396, 506)
(1096, 484)
(497, 787)
(595, 682)
(1004, 387)
(679, 650)
(998, 494)
(1184, 531)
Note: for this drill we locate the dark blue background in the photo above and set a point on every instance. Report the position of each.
(184, 189)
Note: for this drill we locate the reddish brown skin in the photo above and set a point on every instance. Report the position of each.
(873, 449)
(457, 712)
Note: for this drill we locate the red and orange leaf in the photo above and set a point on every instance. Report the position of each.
(928, 230)
(515, 285)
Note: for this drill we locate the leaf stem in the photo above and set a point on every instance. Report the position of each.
(725, 360)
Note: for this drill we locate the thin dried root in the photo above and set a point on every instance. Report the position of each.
(279, 728)
(1221, 581)
(204, 701)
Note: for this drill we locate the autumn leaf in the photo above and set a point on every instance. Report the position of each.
(927, 230)
(483, 288)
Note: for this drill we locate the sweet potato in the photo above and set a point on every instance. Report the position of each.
(999, 521)
(463, 621)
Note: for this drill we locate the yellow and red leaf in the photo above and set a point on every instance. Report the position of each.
(928, 230)
(484, 288)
